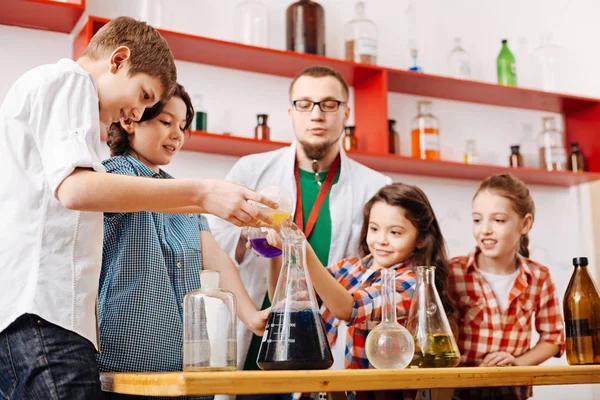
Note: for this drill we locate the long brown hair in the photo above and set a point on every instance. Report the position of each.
(517, 192)
(418, 210)
(117, 138)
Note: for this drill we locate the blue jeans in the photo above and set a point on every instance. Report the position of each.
(39, 360)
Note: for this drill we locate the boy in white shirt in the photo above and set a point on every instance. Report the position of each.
(53, 193)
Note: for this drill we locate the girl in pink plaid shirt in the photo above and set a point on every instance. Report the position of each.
(497, 289)
(399, 230)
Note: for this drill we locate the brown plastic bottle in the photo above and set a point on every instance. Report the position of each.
(516, 159)
(394, 137)
(306, 27)
(576, 161)
(349, 140)
(262, 130)
(581, 307)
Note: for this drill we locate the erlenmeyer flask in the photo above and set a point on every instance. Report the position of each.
(389, 345)
(209, 327)
(435, 346)
(294, 337)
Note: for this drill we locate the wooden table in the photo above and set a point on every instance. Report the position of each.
(254, 382)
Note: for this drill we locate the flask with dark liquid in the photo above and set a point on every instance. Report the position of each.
(435, 346)
(581, 306)
(294, 336)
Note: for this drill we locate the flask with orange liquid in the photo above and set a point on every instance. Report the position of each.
(425, 133)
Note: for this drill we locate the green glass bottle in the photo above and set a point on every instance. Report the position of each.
(507, 67)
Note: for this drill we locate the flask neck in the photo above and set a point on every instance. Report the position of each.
(388, 288)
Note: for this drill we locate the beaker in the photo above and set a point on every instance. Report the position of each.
(389, 345)
(258, 236)
(209, 327)
(435, 346)
(294, 337)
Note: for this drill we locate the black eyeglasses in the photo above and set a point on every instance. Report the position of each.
(324, 105)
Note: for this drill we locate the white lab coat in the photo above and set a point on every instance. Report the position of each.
(356, 185)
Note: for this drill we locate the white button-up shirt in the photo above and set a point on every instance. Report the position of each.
(50, 256)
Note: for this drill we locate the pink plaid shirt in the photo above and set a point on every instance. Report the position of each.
(484, 329)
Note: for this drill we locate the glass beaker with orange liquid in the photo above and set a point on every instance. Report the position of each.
(425, 133)
(258, 236)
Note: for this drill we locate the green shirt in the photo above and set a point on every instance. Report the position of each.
(319, 239)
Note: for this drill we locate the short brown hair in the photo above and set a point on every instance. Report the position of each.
(117, 138)
(513, 189)
(319, 71)
(150, 53)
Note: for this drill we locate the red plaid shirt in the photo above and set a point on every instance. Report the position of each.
(364, 284)
(484, 329)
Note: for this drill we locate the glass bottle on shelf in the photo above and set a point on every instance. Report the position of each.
(349, 141)
(306, 27)
(550, 62)
(581, 306)
(294, 335)
(425, 133)
(361, 37)
(394, 137)
(389, 345)
(528, 147)
(262, 130)
(251, 23)
(435, 346)
(515, 160)
(576, 160)
(552, 152)
(415, 67)
(471, 155)
(506, 66)
(200, 115)
(209, 327)
(151, 11)
(459, 62)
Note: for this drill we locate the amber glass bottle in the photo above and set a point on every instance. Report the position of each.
(582, 316)
(306, 27)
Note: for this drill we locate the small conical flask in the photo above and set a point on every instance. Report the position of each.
(389, 345)
(435, 346)
(294, 337)
(581, 306)
(209, 327)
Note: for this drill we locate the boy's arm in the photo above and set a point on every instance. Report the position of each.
(214, 258)
(86, 190)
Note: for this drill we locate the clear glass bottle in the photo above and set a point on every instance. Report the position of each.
(200, 115)
(306, 27)
(435, 346)
(361, 37)
(389, 345)
(581, 306)
(151, 11)
(251, 23)
(294, 335)
(262, 130)
(425, 133)
(471, 154)
(576, 159)
(550, 60)
(209, 327)
(349, 141)
(414, 52)
(516, 159)
(506, 66)
(553, 156)
(459, 61)
(528, 147)
(394, 137)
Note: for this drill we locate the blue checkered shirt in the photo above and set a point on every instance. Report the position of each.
(149, 262)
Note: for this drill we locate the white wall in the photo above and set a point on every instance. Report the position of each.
(232, 98)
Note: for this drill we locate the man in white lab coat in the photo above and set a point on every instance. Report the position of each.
(319, 111)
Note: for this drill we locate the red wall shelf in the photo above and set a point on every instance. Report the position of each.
(371, 87)
(238, 146)
(50, 15)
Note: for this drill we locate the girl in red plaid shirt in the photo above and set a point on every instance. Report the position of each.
(399, 230)
(497, 290)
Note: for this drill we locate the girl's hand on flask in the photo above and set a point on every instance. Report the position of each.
(498, 359)
(258, 321)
